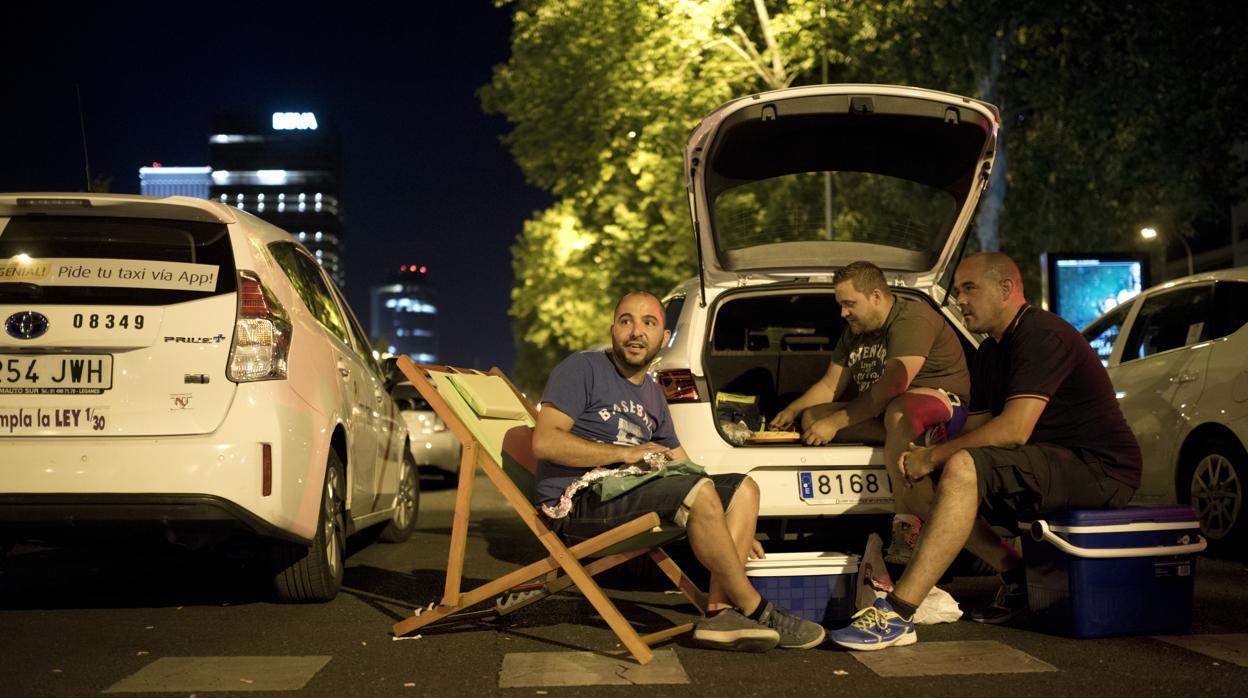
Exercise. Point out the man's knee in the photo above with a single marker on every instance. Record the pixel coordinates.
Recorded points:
(917, 410)
(706, 502)
(958, 474)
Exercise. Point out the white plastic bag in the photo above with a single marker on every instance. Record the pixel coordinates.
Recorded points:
(938, 607)
(874, 583)
(873, 580)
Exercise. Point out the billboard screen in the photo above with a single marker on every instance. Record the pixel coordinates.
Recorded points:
(1082, 286)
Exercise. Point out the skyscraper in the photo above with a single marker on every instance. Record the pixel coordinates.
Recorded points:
(404, 314)
(285, 168)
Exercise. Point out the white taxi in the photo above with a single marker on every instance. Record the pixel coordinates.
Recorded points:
(785, 188)
(178, 363)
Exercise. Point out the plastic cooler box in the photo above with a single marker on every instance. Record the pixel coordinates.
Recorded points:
(816, 586)
(1092, 573)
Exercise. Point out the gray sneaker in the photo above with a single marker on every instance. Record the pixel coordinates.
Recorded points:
(730, 630)
(795, 633)
(901, 548)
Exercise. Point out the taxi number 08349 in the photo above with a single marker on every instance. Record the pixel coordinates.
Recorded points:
(107, 321)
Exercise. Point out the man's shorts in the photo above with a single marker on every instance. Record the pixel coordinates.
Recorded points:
(1040, 478)
(669, 497)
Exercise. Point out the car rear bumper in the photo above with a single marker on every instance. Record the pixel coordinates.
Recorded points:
(777, 469)
(36, 515)
(222, 472)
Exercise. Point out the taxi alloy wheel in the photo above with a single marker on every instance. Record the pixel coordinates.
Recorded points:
(1217, 490)
(406, 505)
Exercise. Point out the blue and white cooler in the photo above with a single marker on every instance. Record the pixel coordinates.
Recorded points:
(812, 585)
(1093, 572)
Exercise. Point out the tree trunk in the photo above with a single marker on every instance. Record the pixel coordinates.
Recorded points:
(987, 227)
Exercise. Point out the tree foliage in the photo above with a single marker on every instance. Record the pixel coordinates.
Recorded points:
(1115, 114)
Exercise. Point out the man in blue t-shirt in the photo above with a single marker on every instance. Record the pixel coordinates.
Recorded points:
(1044, 432)
(603, 409)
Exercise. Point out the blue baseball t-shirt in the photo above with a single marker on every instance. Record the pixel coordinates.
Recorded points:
(605, 407)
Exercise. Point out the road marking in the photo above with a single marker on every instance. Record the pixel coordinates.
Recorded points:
(527, 669)
(945, 658)
(1231, 647)
(187, 674)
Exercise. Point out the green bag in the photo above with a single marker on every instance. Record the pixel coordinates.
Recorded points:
(609, 488)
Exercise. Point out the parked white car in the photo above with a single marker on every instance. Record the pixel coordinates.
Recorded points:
(433, 446)
(785, 188)
(1175, 354)
(180, 364)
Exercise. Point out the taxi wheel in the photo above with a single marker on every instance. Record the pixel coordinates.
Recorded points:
(313, 573)
(406, 505)
(1217, 487)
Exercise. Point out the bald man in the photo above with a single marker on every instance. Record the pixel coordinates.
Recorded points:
(1044, 433)
(603, 409)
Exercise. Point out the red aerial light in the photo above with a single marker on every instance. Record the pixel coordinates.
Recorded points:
(266, 473)
(422, 269)
(155, 164)
(403, 268)
(678, 385)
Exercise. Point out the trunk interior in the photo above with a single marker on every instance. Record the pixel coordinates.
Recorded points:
(774, 345)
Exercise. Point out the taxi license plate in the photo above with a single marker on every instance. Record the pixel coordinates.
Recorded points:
(56, 374)
(844, 486)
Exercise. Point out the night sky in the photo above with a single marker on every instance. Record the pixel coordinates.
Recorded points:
(426, 178)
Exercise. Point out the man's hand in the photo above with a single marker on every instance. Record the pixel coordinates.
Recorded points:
(820, 433)
(637, 454)
(784, 419)
(756, 550)
(916, 463)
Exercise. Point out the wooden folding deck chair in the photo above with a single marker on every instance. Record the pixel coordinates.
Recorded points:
(493, 420)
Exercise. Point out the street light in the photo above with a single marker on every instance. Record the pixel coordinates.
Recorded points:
(1150, 233)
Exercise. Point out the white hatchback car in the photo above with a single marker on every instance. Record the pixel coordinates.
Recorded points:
(433, 445)
(1175, 354)
(178, 363)
(785, 188)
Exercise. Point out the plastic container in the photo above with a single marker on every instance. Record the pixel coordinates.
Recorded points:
(1092, 573)
(816, 586)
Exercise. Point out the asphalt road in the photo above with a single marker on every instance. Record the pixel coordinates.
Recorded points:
(126, 619)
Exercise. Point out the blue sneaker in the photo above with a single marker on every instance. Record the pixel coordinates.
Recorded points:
(876, 627)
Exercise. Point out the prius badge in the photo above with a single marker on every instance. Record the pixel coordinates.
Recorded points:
(26, 325)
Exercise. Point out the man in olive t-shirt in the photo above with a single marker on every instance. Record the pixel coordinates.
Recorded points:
(897, 372)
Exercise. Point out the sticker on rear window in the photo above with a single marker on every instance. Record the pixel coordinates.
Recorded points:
(121, 273)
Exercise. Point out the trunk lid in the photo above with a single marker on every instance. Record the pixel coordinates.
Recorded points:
(799, 182)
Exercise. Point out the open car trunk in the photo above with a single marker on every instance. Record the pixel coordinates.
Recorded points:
(774, 344)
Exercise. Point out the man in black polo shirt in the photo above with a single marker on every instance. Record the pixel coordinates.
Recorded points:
(1044, 433)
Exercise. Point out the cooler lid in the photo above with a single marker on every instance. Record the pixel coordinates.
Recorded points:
(1168, 514)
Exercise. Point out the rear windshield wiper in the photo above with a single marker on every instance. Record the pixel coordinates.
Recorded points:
(20, 288)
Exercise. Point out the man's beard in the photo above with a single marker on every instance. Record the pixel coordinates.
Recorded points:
(622, 356)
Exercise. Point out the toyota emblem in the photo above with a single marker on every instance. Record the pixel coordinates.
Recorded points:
(26, 325)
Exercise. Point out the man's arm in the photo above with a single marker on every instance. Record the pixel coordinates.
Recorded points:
(1009, 429)
(823, 391)
(893, 381)
(554, 441)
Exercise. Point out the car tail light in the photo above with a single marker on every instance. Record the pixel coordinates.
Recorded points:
(678, 385)
(261, 333)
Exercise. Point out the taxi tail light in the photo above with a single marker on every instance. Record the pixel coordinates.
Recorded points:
(261, 333)
(678, 385)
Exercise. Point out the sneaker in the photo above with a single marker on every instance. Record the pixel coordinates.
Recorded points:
(795, 633)
(904, 539)
(1011, 601)
(876, 627)
(730, 630)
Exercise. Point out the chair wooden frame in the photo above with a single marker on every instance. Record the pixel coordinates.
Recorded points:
(561, 568)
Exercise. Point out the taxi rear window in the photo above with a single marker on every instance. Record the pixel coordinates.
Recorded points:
(113, 261)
